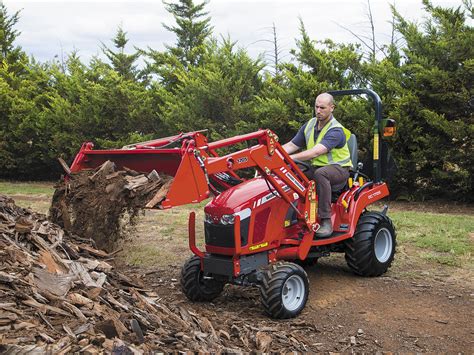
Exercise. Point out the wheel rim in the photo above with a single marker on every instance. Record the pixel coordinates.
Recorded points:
(293, 292)
(383, 245)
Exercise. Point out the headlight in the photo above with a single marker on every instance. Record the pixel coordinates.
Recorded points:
(227, 219)
(207, 218)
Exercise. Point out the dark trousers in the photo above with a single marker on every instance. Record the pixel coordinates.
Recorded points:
(326, 177)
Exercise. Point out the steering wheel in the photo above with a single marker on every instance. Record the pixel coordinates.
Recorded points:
(304, 166)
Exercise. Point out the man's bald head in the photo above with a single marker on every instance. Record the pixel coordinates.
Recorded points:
(326, 98)
(323, 106)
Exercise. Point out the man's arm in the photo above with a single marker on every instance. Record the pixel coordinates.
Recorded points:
(297, 142)
(334, 138)
(290, 147)
(309, 154)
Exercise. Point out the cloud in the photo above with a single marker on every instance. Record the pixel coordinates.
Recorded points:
(49, 27)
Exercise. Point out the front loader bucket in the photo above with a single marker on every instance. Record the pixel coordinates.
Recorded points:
(189, 182)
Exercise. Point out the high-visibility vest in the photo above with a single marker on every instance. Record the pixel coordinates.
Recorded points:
(340, 156)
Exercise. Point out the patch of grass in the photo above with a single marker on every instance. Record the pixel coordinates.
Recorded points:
(168, 230)
(152, 255)
(445, 259)
(140, 255)
(40, 205)
(26, 188)
(444, 238)
(33, 195)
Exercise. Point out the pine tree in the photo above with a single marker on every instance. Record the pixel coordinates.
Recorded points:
(218, 95)
(10, 54)
(7, 32)
(434, 109)
(191, 32)
(121, 62)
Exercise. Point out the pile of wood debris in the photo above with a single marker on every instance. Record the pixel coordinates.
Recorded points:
(59, 294)
(98, 203)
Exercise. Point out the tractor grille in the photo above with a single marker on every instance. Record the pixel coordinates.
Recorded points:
(220, 235)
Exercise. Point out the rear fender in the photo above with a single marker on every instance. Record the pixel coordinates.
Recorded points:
(362, 197)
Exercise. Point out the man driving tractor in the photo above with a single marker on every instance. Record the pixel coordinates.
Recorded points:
(325, 140)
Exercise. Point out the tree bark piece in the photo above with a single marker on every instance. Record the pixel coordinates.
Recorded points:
(64, 165)
(58, 285)
(45, 308)
(160, 195)
(105, 169)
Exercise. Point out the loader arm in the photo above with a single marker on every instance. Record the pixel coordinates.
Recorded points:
(193, 163)
(268, 157)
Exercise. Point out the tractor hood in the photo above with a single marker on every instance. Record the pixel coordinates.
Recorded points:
(249, 194)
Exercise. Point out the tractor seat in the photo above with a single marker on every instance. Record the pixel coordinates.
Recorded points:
(336, 190)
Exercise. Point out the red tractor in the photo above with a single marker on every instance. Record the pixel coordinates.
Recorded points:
(259, 230)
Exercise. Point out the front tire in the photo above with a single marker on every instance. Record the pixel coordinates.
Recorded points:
(371, 250)
(195, 285)
(284, 290)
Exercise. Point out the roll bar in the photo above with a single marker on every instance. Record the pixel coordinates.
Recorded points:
(377, 125)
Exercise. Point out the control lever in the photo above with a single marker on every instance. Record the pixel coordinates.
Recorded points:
(360, 166)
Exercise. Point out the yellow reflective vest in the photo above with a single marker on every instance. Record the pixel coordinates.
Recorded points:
(340, 156)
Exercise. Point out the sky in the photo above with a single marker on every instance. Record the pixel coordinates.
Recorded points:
(56, 28)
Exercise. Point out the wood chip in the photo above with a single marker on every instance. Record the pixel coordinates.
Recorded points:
(23, 225)
(92, 251)
(46, 337)
(45, 308)
(160, 195)
(7, 278)
(136, 182)
(105, 169)
(154, 176)
(58, 285)
(64, 165)
(24, 325)
(78, 299)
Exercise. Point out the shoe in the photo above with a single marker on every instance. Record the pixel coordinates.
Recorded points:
(325, 229)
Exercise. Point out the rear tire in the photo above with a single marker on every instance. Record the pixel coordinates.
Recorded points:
(284, 290)
(371, 250)
(194, 284)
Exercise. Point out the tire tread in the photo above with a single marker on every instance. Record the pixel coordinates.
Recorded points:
(271, 285)
(359, 249)
(191, 285)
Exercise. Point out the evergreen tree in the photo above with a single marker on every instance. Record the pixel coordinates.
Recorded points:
(10, 54)
(191, 32)
(219, 95)
(336, 65)
(14, 83)
(121, 62)
(434, 105)
(8, 34)
(287, 100)
(190, 47)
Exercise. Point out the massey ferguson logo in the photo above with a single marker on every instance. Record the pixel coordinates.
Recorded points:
(242, 160)
(373, 195)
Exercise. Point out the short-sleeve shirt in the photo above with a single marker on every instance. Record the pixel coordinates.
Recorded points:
(334, 138)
